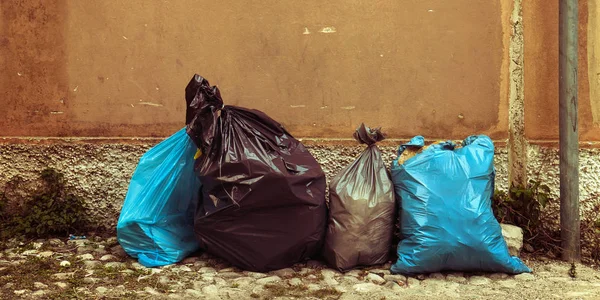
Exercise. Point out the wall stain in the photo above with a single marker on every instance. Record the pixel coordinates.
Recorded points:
(33, 56)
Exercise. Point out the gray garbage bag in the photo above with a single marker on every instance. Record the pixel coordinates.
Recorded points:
(362, 209)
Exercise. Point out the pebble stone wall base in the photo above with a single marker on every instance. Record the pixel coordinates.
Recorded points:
(100, 172)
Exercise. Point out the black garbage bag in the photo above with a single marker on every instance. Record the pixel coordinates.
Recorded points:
(361, 209)
(262, 201)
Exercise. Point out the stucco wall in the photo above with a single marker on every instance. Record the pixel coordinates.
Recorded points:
(97, 77)
(99, 171)
(119, 68)
(541, 69)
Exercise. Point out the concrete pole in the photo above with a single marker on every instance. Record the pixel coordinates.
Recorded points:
(568, 124)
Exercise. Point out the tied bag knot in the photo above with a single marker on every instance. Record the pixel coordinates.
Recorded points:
(368, 136)
(203, 105)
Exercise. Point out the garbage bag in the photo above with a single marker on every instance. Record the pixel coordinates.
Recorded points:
(446, 215)
(361, 209)
(262, 205)
(156, 224)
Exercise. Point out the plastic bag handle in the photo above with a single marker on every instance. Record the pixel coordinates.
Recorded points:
(416, 142)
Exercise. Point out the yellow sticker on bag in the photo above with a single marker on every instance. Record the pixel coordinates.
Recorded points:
(198, 154)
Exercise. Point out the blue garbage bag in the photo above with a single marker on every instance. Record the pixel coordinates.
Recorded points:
(446, 218)
(156, 224)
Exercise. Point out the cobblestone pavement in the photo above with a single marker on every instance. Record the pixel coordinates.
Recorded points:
(100, 269)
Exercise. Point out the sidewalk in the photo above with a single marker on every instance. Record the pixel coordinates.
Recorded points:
(99, 269)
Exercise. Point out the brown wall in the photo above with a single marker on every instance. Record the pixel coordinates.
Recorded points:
(541, 69)
(33, 64)
(119, 68)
